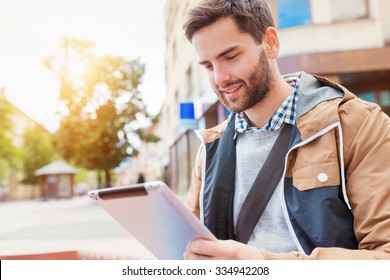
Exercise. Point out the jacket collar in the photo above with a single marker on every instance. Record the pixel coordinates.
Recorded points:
(317, 106)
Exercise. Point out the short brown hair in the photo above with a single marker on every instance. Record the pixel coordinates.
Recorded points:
(251, 16)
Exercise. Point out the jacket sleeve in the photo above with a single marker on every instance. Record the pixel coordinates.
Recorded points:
(367, 155)
(366, 133)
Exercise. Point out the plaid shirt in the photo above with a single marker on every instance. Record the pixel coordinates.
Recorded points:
(285, 113)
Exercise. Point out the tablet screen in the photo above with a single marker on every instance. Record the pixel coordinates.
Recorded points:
(154, 215)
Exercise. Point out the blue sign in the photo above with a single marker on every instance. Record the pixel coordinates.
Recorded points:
(187, 116)
(187, 111)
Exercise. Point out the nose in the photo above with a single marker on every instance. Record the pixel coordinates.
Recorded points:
(221, 76)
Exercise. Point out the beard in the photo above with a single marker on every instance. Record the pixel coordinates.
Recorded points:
(255, 88)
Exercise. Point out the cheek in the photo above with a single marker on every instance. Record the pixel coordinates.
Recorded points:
(240, 70)
(246, 68)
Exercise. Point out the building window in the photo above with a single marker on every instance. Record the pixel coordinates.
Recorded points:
(182, 158)
(382, 98)
(348, 9)
(385, 98)
(190, 85)
(368, 96)
(293, 13)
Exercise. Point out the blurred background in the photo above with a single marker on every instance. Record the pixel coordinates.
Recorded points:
(106, 93)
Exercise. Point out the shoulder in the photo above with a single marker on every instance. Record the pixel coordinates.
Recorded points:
(211, 134)
(354, 112)
(364, 125)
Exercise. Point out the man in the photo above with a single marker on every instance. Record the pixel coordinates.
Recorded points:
(333, 198)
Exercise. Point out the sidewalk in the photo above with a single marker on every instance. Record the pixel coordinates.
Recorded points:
(77, 227)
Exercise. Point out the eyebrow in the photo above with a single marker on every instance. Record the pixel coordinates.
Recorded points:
(223, 53)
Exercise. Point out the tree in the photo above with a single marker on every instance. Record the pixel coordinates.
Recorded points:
(38, 151)
(9, 154)
(104, 106)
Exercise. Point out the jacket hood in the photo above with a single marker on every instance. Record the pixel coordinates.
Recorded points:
(313, 91)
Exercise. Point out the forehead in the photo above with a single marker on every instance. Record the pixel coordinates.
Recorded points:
(215, 38)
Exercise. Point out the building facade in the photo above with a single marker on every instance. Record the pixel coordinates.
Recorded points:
(56, 180)
(13, 189)
(185, 82)
(345, 40)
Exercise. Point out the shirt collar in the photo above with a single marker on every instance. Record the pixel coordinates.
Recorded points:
(286, 113)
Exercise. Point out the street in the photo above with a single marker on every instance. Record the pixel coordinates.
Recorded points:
(77, 224)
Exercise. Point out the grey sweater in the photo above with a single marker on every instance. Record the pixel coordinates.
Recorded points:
(271, 232)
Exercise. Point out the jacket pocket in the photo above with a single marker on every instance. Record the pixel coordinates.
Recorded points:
(317, 175)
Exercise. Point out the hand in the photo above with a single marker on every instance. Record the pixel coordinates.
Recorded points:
(202, 249)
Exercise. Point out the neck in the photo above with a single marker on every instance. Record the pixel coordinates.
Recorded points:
(260, 114)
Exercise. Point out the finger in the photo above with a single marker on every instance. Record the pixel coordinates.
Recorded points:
(197, 249)
(209, 248)
(192, 256)
(199, 246)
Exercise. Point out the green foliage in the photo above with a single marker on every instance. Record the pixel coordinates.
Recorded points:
(103, 105)
(38, 152)
(81, 176)
(3, 168)
(9, 154)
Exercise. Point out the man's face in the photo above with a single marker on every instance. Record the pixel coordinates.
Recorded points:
(237, 66)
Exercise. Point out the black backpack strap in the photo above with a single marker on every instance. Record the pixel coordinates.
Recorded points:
(263, 187)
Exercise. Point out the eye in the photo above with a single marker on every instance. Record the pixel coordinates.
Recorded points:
(231, 57)
(208, 67)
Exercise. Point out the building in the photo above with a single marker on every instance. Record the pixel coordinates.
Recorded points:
(185, 82)
(56, 179)
(345, 40)
(151, 161)
(12, 178)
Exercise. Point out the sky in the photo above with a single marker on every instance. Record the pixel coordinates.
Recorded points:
(32, 30)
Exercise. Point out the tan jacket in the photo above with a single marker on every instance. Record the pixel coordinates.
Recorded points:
(346, 138)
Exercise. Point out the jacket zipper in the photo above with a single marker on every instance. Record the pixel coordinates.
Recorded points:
(283, 201)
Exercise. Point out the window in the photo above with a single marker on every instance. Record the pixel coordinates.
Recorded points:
(348, 9)
(190, 85)
(182, 164)
(293, 13)
(382, 98)
(368, 96)
(385, 97)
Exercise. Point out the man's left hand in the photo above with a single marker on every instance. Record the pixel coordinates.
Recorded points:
(202, 249)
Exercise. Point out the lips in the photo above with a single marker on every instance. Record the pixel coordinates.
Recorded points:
(231, 92)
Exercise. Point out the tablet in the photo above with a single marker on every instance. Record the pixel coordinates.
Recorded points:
(154, 215)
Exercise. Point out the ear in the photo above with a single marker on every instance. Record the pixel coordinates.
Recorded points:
(271, 41)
